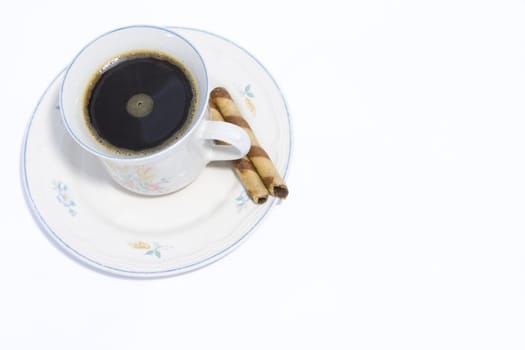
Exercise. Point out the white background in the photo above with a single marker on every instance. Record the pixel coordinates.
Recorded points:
(405, 224)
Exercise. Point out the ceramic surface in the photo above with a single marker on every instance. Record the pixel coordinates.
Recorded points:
(114, 230)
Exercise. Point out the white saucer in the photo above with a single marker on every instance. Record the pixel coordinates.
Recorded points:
(111, 229)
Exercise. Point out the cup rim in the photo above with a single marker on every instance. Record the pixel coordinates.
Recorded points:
(148, 156)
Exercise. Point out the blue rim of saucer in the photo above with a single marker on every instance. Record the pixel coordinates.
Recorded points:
(113, 271)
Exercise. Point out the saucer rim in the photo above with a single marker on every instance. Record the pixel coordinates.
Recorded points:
(115, 271)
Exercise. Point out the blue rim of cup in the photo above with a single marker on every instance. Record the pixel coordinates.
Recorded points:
(139, 157)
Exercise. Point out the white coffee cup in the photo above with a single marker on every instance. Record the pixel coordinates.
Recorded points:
(167, 169)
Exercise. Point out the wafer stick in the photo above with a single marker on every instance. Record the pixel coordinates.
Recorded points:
(244, 168)
(260, 159)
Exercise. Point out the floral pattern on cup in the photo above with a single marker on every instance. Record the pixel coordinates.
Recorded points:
(153, 249)
(139, 178)
(63, 197)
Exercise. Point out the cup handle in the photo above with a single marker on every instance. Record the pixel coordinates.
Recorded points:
(237, 139)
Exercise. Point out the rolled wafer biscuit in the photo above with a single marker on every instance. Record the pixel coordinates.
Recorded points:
(260, 159)
(244, 168)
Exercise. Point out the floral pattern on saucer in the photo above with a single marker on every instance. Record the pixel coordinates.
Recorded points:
(248, 98)
(242, 200)
(63, 197)
(151, 249)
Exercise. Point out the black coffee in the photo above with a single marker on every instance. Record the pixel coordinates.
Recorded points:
(140, 102)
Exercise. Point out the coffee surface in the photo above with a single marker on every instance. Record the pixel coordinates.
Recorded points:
(140, 102)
